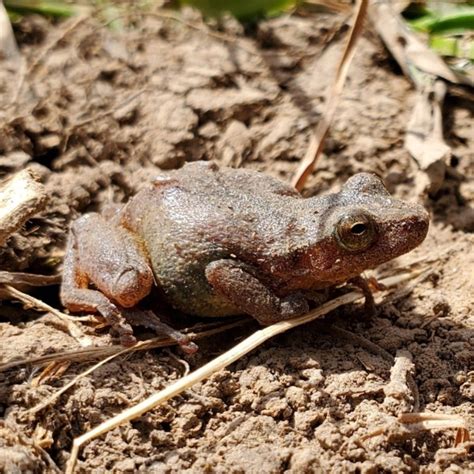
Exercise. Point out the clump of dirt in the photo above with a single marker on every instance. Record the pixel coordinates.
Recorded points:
(96, 114)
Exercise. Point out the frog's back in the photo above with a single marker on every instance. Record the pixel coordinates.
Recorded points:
(210, 179)
(204, 213)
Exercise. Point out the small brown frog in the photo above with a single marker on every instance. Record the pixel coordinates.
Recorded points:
(221, 241)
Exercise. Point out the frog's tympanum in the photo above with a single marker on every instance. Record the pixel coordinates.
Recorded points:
(221, 241)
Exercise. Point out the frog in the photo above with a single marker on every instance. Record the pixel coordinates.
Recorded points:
(218, 241)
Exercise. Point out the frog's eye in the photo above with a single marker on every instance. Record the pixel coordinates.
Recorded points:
(355, 231)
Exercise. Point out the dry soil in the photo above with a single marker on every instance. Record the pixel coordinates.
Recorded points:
(96, 113)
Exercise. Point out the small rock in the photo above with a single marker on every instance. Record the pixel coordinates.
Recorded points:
(14, 160)
(126, 465)
(209, 130)
(49, 141)
(296, 397)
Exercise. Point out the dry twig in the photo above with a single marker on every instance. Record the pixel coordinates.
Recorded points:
(24, 281)
(315, 148)
(29, 279)
(407, 424)
(402, 387)
(69, 321)
(21, 197)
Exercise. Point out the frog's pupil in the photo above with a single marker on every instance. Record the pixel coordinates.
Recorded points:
(358, 229)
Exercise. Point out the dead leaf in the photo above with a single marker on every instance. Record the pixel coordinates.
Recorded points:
(424, 135)
(406, 47)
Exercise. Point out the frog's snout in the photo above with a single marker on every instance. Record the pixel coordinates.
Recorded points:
(418, 227)
(410, 231)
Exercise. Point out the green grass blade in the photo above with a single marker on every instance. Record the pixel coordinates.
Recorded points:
(455, 22)
(44, 7)
(243, 10)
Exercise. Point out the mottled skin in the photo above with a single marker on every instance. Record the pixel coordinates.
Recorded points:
(221, 241)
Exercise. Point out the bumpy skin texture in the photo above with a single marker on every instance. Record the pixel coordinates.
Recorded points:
(221, 241)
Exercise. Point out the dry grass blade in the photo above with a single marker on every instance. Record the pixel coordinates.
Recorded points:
(70, 26)
(315, 148)
(64, 389)
(432, 421)
(24, 281)
(217, 364)
(331, 5)
(113, 109)
(21, 197)
(170, 15)
(30, 279)
(75, 355)
(97, 352)
(70, 322)
(361, 342)
(53, 370)
(139, 346)
(24, 72)
(422, 421)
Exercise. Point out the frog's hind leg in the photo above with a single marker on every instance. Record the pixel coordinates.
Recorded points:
(239, 284)
(106, 256)
(150, 320)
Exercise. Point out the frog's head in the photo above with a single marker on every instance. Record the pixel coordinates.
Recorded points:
(366, 227)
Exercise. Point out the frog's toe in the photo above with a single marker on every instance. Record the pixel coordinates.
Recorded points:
(125, 333)
(293, 306)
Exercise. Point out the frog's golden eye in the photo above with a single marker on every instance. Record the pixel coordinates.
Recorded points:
(355, 231)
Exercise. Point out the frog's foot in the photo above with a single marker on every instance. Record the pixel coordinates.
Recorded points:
(150, 320)
(291, 307)
(367, 285)
(317, 297)
(239, 284)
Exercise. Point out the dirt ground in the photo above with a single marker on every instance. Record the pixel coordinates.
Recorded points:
(96, 114)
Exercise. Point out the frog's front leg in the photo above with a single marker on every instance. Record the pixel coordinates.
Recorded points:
(108, 257)
(239, 284)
